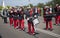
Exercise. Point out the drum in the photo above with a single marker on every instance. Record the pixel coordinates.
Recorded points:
(30, 19)
(35, 21)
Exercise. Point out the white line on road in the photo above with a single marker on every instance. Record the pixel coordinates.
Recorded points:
(47, 32)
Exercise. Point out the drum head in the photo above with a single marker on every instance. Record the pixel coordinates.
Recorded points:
(35, 21)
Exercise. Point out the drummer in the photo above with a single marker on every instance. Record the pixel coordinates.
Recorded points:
(29, 15)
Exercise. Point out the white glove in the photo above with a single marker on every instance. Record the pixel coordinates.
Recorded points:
(27, 18)
(46, 12)
(35, 16)
(50, 11)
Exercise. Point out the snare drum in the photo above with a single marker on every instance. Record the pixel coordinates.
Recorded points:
(35, 21)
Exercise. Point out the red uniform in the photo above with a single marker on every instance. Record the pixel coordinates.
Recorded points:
(11, 17)
(21, 19)
(56, 12)
(30, 24)
(15, 18)
(48, 19)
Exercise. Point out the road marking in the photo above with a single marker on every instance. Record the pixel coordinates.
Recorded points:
(47, 32)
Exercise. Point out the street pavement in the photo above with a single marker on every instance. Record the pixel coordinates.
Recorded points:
(7, 31)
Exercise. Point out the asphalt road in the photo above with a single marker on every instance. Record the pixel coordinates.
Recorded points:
(7, 31)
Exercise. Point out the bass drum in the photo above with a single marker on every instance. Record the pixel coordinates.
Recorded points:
(35, 21)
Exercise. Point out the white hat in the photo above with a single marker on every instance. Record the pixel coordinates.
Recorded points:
(28, 7)
(46, 6)
(15, 10)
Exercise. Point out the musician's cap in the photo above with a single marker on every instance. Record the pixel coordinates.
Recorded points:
(28, 7)
(57, 4)
(46, 6)
(15, 10)
(11, 12)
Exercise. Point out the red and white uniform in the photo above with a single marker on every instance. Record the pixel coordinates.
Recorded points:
(56, 12)
(49, 18)
(30, 24)
(11, 17)
(15, 15)
(58, 17)
(21, 19)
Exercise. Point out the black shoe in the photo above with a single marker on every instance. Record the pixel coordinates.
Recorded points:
(54, 24)
(48, 28)
(23, 29)
(12, 24)
(45, 29)
(5, 22)
(51, 29)
(36, 33)
(29, 33)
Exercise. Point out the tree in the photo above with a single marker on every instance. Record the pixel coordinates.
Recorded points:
(56, 1)
(8, 7)
(40, 5)
(31, 5)
(1, 8)
(51, 3)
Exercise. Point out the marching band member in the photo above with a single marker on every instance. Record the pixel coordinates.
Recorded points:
(48, 17)
(21, 19)
(31, 24)
(56, 9)
(58, 19)
(36, 13)
(11, 17)
(15, 18)
(29, 15)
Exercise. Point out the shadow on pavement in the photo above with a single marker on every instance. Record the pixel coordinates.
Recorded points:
(0, 36)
